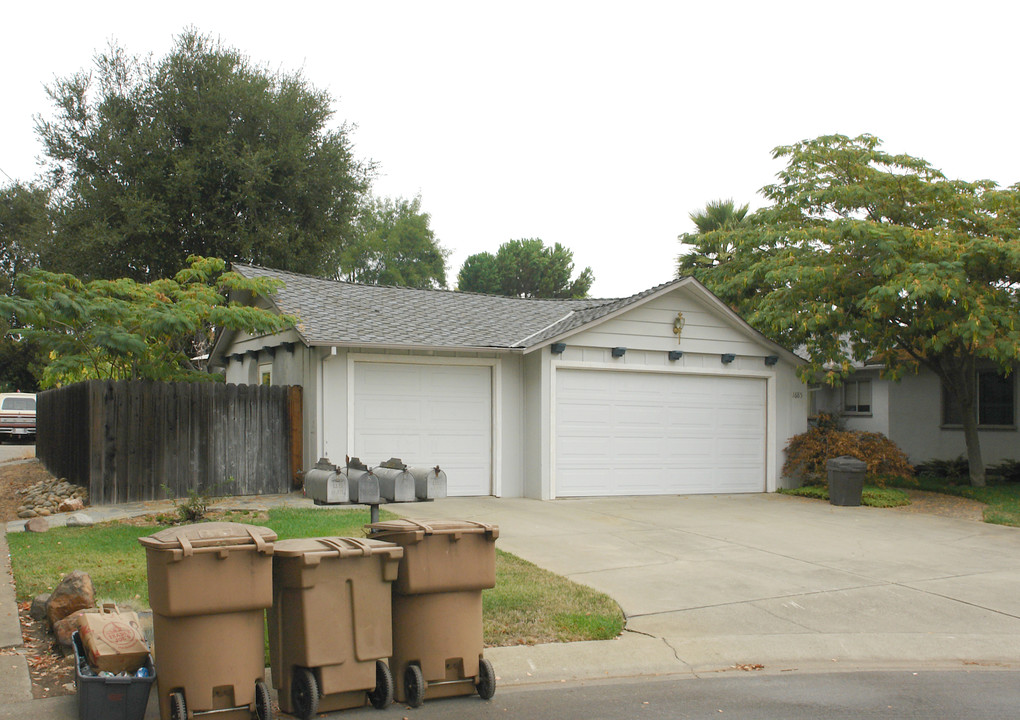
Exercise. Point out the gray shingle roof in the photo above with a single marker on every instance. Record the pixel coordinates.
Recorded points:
(342, 313)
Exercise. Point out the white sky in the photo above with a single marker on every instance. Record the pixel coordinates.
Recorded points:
(597, 125)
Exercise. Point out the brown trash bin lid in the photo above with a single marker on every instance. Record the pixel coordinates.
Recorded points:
(432, 527)
(342, 547)
(213, 534)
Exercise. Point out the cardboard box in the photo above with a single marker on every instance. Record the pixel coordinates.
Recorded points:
(113, 640)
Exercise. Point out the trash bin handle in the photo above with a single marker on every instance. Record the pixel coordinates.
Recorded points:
(185, 545)
(260, 543)
(366, 549)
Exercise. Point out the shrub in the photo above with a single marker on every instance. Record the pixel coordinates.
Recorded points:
(956, 469)
(808, 453)
(1008, 471)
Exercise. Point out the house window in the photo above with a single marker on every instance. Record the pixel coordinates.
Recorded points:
(995, 405)
(857, 396)
(266, 374)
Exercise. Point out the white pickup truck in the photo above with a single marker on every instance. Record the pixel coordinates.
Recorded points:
(17, 415)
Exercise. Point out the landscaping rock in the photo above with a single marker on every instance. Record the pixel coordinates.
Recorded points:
(71, 504)
(37, 524)
(47, 497)
(63, 629)
(74, 592)
(80, 519)
(38, 609)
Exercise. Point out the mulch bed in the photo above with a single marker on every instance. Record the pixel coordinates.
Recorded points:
(951, 506)
(52, 671)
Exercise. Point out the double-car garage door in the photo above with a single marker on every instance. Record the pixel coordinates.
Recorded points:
(640, 433)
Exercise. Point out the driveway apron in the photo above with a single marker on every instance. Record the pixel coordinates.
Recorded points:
(733, 580)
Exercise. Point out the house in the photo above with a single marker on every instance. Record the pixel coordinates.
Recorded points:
(665, 392)
(915, 412)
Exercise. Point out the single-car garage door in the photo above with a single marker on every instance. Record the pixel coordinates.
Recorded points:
(427, 415)
(635, 433)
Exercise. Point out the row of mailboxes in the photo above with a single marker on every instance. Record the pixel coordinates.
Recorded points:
(356, 483)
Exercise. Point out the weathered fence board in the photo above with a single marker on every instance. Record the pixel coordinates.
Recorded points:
(129, 441)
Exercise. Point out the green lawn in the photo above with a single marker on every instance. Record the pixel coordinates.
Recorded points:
(528, 605)
(872, 496)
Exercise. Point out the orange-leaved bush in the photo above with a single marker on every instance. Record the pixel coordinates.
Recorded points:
(808, 453)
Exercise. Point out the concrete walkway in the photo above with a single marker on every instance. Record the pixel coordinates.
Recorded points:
(712, 583)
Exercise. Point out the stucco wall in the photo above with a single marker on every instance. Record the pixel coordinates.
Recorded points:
(915, 424)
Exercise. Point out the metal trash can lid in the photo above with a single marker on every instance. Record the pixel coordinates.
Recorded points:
(389, 528)
(342, 547)
(213, 534)
(846, 463)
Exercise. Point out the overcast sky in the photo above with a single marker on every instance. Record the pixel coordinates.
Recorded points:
(597, 125)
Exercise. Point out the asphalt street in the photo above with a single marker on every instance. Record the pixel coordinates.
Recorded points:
(929, 695)
(14, 450)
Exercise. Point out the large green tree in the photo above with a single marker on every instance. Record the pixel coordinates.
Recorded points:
(126, 330)
(525, 268)
(394, 245)
(865, 254)
(200, 152)
(24, 228)
(717, 215)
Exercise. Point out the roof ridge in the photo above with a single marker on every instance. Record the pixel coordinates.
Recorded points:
(437, 290)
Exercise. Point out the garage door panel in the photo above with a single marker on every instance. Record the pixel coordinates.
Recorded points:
(427, 415)
(634, 433)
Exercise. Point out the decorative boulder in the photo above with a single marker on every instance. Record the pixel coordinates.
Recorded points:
(71, 505)
(37, 524)
(63, 629)
(74, 592)
(80, 519)
(38, 609)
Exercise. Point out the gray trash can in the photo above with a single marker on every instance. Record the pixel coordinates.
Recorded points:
(846, 480)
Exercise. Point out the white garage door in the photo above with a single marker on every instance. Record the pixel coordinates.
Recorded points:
(427, 415)
(633, 433)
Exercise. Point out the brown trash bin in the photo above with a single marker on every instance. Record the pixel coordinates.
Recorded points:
(209, 587)
(437, 607)
(330, 625)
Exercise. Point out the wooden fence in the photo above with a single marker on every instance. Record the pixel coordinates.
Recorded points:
(125, 441)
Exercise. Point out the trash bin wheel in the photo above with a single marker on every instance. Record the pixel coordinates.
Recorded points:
(304, 693)
(263, 702)
(414, 686)
(178, 710)
(486, 685)
(382, 696)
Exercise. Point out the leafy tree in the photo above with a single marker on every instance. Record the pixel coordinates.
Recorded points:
(479, 274)
(864, 254)
(24, 227)
(123, 329)
(394, 245)
(200, 152)
(717, 215)
(525, 268)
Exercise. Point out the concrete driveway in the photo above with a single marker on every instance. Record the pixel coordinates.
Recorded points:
(713, 582)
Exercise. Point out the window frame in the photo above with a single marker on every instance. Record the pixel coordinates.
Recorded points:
(856, 384)
(954, 421)
(265, 372)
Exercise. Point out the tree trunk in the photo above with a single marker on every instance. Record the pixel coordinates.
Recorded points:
(960, 379)
(970, 435)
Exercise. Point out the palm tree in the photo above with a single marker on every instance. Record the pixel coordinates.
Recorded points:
(706, 253)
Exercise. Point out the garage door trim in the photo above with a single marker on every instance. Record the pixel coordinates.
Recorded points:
(495, 367)
(770, 406)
